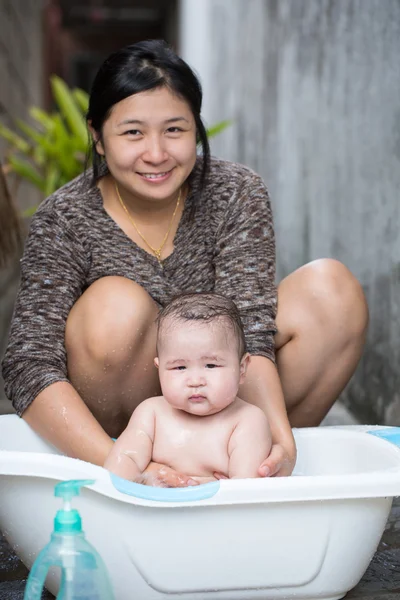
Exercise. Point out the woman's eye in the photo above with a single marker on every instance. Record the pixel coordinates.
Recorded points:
(134, 132)
(174, 130)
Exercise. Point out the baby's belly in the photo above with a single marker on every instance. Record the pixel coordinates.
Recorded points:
(198, 463)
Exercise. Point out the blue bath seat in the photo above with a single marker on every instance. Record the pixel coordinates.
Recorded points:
(146, 492)
(390, 434)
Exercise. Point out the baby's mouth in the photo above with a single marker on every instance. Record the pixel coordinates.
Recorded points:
(197, 397)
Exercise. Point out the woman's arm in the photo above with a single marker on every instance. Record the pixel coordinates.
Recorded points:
(59, 415)
(262, 387)
(245, 272)
(53, 276)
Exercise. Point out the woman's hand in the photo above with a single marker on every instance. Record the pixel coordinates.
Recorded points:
(159, 475)
(280, 462)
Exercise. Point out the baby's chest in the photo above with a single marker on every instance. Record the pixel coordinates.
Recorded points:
(192, 448)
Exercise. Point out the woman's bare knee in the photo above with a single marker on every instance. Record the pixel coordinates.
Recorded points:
(322, 320)
(323, 294)
(109, 321)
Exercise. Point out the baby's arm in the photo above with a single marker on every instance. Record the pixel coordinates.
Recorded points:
(249, 444)
(133, 449)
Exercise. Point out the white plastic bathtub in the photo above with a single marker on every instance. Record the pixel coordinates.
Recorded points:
(308, 536)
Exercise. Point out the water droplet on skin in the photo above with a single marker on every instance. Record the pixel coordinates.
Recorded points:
(130, 452)
(141, 432)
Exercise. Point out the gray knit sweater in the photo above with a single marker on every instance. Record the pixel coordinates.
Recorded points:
(224, 243)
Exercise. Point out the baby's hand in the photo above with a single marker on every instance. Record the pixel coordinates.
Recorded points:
(158, 475)
(205, 479)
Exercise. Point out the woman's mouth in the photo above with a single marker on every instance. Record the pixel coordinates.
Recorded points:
(156, 177)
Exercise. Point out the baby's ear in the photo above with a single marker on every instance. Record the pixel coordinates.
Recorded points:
(156, 362)
(244, 363)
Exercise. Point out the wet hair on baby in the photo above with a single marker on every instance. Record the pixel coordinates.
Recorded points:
(203, 307)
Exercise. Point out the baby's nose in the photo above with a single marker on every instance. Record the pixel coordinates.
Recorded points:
(196, 379)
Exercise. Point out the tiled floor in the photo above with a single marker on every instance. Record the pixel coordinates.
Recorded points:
(380, 582)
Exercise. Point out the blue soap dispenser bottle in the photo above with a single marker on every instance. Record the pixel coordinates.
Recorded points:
(83, 572)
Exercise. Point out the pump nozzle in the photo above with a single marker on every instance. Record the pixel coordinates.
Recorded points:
(68, 520)
(68, 489)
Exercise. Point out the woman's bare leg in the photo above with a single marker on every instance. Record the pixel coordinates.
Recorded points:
(322, 321)
(110, 341)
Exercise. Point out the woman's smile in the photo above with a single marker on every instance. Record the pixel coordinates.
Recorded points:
(156, 178)
(149, 141)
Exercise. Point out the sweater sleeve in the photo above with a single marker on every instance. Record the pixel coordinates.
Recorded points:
(245, 264)
(53, 271)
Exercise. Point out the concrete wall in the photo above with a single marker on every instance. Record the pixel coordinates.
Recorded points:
(21, 77)
(313, 87)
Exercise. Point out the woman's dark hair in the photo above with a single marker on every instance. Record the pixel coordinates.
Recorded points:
(206, 307)
(144, 66)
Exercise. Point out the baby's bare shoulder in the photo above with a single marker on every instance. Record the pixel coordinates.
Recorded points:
(154, 401)
(245, 410)
(150, 405)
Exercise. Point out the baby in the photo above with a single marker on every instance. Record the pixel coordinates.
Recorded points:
(198, 426)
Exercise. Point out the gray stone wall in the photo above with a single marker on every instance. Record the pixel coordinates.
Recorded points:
(313, 87)
(21, 68)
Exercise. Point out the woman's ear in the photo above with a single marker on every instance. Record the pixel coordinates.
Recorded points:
(96, 137)
(244, 363)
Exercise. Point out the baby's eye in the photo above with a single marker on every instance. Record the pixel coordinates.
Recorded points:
(211, 366)
(180, 368)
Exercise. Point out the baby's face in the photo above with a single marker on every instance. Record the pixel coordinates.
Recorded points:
(199, 366)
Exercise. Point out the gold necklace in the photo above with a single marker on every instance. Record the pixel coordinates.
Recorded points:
(156, 251)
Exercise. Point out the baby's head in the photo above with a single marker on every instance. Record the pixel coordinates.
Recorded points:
(201, 351)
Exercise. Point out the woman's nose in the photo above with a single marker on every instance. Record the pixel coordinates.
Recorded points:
(155, 151)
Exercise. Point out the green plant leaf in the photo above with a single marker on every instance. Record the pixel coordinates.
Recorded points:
(70, 110)
(13, 138)
(82, 99)
(39, 156)
(52, 179)
(29, 212)
(218, 128)
(42, 117)
(34, 134)
(43, 141)
(27, 171)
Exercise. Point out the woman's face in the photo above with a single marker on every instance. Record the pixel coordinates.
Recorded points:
(149, 141)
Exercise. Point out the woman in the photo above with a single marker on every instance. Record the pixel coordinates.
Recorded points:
(157, 220)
